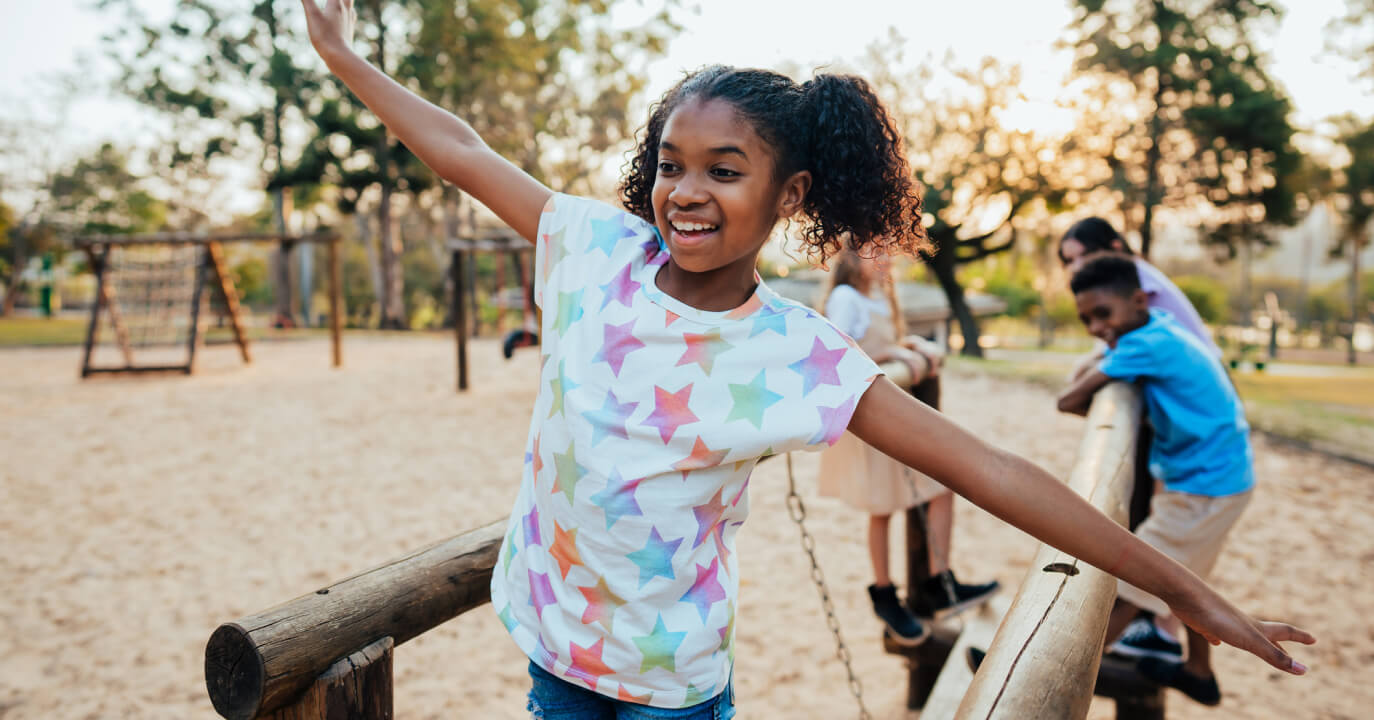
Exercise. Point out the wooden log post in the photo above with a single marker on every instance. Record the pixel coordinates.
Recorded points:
(357, 687)
(924, 668)
(1043, 663)
(262, 662)
(460, 317)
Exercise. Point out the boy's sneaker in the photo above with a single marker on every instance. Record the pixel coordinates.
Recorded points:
(1172, 674)
(902, 626)
(942, 595)
(1142, 639)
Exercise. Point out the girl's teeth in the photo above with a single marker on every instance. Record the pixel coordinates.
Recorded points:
(693, 227)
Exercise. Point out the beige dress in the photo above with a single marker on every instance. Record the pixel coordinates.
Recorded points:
(851, 470)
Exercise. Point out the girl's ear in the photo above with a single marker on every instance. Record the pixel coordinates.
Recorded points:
(793, 194)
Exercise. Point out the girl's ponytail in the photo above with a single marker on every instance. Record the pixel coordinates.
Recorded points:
(861, 183)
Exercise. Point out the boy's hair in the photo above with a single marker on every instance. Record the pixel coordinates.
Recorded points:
(832, 125)
(1095, 235)
(1115, 273)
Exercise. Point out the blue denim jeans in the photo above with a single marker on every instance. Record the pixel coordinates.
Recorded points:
(552, 698)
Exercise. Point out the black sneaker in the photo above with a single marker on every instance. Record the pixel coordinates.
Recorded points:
(1142, 639)
(902, 626)
(975, 658)
(1172, 674)
(942, 595)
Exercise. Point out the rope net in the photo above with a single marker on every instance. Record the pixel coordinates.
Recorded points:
(150, 291)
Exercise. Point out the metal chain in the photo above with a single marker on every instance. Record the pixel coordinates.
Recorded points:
(797, 510)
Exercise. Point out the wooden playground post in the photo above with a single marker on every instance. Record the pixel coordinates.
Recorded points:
(225, 284)
(460, 317)
(1044, 661)
(336, 305)
(929, 658)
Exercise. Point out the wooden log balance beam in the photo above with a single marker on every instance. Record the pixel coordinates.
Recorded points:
(257, 665)
(1043, 662)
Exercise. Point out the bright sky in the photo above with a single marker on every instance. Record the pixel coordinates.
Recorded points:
(38, 39)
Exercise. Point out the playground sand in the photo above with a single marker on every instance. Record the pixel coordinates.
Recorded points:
(137, 514)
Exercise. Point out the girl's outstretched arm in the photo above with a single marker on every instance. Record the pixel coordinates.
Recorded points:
(441, 140)
(1019, 492)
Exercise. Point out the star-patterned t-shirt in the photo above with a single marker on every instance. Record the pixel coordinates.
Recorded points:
(618, 570)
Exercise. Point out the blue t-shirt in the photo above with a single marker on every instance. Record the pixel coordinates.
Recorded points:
(1202, 442)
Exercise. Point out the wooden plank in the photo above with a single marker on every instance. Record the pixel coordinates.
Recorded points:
(924, 668)
(193, 330)
(190, 238)
(357, 687)
(1043, 661)
(225, 285)
(259, 663)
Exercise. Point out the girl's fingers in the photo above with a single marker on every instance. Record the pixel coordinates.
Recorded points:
(1283, 632)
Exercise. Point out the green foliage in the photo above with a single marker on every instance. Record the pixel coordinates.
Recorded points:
(1012, 279)
(360, 300)
(1210, 123)
(251, 279)
(424, 282)
(1207, 295)
(99, 194)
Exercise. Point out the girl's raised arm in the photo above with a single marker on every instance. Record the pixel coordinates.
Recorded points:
(1015, 490)
(441, 140)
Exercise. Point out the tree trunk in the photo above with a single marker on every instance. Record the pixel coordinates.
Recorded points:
(1152, 156)
(1351, 353)
(943, 264)
(16, 279)
(451, 198)
(374, 266)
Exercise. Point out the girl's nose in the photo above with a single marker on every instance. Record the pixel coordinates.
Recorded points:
(687, 191)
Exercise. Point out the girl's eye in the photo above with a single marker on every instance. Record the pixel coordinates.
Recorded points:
(724, 173)
(666, 167)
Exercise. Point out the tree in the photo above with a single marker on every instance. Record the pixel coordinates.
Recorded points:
(234, 96)
(1356, 190)
(1193, 121)
(547, 85)
(1352, 35)
(979, 175)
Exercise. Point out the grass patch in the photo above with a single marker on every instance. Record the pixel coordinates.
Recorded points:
(41, 331)
(1329, 407)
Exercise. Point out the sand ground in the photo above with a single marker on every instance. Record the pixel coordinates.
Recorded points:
(137, 514)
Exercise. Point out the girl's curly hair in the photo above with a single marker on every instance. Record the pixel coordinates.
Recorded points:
(862, 192)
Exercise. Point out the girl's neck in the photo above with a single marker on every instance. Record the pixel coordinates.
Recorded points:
(724, 288)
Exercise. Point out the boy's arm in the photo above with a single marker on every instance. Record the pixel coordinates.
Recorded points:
(1078, 396)
(1026, 496)
(441, 140)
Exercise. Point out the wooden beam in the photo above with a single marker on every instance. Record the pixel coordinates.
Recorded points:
(225, 284)
(460, 317)
(257, 664)
(189, 238)
(1043, 662)
(357, 687)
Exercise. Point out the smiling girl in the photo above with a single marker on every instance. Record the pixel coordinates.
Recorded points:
(670, 369)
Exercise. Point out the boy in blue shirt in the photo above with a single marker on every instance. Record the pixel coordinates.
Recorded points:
(1201, 451)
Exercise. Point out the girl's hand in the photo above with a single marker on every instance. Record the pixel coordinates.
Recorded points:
(331, 28)
(1219, 622)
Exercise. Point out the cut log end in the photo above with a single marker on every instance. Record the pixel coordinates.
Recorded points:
(234, 673)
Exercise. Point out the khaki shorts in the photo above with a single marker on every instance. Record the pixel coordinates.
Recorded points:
(1189, 528)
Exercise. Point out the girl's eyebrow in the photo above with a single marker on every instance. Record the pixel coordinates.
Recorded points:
(722, 150)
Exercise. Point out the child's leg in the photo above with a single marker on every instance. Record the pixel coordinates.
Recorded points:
(877, 548)
(939, 531)
(1199, 660)
(1122, 615)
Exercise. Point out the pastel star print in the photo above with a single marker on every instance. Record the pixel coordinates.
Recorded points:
(702, 349)
(620, 289)
(559, 387)
(834, 421)
(610, 419)
(655, 559)
(751, 399)
(820, 367)
(569, 310)
(659, 647)
(701, 457)
(696, 695)
(769, 319)
(541, 592)
(671, 411)
(567, 472)
(602, 603)
(705, 591)
(586, 663)
(617, 342)
(708, 516)
(564, 549)
(531, 525)
(606, 234)
(627, 696)
(617, 499)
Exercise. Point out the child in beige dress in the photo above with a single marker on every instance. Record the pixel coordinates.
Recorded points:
(862, 302)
